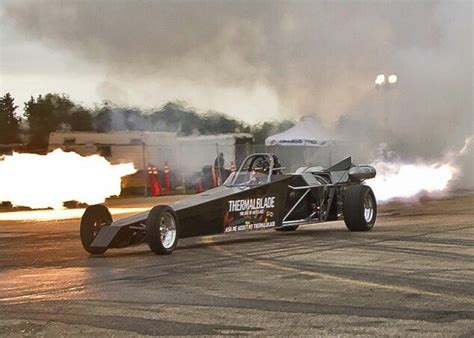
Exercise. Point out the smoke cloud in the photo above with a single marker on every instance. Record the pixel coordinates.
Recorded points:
(287, 58)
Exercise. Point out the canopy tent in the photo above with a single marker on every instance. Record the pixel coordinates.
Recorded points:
(307, 132)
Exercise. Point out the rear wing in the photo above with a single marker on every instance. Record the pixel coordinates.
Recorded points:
(345, 164)
(342, 171)
(355, 172)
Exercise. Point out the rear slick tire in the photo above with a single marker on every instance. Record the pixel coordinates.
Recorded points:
(162, 230)
(95, 217)
(360, 208)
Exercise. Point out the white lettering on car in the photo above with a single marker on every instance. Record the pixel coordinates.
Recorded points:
(252, 204)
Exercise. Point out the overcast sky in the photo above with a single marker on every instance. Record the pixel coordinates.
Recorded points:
(255, 60)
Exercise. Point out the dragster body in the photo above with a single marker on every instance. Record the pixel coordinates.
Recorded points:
(257, 196)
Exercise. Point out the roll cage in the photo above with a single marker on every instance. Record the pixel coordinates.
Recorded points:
(256, 169)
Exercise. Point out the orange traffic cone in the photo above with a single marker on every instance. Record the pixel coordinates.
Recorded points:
(157, 180)
(152, 178)
(199, 186)
(214, 176)
(167, 178)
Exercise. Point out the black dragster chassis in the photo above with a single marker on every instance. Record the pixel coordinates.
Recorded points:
(257, 196)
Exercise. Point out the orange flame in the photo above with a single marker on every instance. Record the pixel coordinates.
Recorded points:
(42, 181)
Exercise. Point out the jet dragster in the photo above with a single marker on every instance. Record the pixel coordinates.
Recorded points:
(259, 195)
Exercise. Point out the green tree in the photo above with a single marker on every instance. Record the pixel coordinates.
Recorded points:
(175, 117)
(103, 118)
(217, 123)
(81, 120)
(9, 121)
(41, 120)
(62, 107)
(51, 112)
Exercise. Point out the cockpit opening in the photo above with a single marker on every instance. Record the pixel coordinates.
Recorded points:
(256, 169)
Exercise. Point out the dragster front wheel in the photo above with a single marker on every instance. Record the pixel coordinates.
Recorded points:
(162, 230)
(95, 217)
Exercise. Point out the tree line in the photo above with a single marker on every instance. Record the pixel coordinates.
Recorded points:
(57, 112)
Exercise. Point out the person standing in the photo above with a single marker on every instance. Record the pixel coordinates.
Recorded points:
(219, 167)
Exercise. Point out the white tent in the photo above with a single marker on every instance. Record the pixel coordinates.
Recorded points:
(307, 132)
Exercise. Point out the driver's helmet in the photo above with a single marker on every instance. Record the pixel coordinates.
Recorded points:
(262, 165)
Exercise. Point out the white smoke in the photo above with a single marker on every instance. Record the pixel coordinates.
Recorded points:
(268, 59)
(402, 180)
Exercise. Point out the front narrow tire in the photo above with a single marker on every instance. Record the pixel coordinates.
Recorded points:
(162, 230)
(360, 208)
(95, 217)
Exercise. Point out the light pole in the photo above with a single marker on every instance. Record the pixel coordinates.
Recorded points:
(386, 82)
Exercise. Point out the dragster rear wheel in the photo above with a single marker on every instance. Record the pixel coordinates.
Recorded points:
(360, 208)
(162, 230)
(95, 217)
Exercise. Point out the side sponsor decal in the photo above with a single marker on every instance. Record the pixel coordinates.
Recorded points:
(252, 204)
(245, 227)
(249, 214)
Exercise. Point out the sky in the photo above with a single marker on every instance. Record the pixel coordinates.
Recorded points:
(254, 60)
(30, 65)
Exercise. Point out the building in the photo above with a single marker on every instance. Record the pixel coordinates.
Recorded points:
(200, 151)
(138, 147)
(185, 154)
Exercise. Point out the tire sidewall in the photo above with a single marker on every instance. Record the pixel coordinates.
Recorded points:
(353, 209)
(153, 234)
(90, 216)
(368, 191)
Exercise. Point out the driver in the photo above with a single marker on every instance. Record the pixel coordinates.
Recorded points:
(262, 166)
(253, 177)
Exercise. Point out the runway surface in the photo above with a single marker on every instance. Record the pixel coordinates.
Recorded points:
(412, 275)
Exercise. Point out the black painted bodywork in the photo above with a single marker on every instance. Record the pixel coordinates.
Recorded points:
(285, 200)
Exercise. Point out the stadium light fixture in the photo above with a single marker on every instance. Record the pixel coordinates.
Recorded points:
(380, 80)
(392, 79)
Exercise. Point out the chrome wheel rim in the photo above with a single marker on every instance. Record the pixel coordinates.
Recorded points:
(368, 208)
(167, 230)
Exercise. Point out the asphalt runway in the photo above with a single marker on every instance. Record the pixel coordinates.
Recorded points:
(412, 275)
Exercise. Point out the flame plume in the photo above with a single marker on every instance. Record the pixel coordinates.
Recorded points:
(47, 181)
(407, 180)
